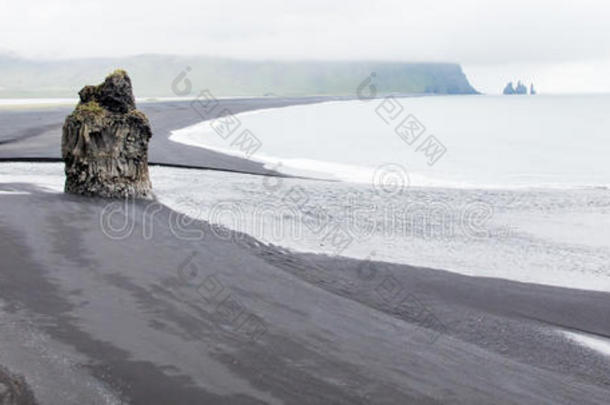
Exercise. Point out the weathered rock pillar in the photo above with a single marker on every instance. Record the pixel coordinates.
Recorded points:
(105, 142)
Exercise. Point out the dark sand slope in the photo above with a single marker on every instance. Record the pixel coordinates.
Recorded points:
(152, 337)
(14, 389)
(36, 133)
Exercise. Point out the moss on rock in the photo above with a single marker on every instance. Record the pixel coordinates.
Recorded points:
(92, 107)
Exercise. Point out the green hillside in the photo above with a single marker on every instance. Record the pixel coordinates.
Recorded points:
(153, 75)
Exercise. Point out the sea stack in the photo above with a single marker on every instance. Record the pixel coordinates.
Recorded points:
(105, 142)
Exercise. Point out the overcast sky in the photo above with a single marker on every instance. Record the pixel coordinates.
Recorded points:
(563, 46)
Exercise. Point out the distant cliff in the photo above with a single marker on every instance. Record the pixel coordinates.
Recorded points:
(153, 76)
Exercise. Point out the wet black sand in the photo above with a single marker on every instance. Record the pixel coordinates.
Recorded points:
(326, 331)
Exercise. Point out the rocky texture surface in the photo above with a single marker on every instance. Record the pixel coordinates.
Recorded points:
(105, 142)
(14, 390)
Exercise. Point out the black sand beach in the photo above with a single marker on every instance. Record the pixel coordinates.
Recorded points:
(156, 319)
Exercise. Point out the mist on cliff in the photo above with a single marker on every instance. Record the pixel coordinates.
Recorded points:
(563, 46)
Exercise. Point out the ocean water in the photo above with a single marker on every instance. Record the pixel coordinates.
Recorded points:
(448, 141)
(546, 236)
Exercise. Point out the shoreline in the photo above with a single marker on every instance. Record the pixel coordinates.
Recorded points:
(23, 137)
(178, 166)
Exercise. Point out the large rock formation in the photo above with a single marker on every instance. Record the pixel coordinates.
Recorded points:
(105, 142)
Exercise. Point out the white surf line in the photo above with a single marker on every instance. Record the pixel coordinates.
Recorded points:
(598, 344)
(288, 166)
(14, 192)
